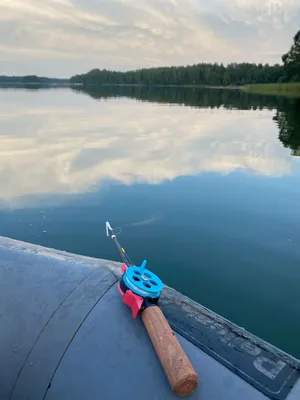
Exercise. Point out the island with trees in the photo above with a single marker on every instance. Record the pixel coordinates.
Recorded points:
(32, 80)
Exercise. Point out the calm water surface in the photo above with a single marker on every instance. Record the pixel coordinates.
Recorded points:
(204, 184)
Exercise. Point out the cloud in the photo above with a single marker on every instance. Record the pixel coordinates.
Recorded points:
(276, 12)
(57, 142)
(63, 37)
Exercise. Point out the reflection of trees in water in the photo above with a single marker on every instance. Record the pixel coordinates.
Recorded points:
(287, 115)
(193, 97)
(288, 121)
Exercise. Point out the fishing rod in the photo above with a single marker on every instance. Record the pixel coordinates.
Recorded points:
(141, 290)
(110, 233)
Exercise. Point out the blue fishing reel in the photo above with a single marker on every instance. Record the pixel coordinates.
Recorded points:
(142, 282)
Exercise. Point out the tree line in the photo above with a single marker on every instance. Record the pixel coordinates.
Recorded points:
(234, 74)
(199, 74)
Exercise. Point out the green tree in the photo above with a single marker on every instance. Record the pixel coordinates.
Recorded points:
(291, 60)
(31, 79)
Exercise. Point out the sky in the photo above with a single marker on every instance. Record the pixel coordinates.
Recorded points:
(59, 38)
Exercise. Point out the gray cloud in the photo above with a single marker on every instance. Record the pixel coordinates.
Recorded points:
(63, 37)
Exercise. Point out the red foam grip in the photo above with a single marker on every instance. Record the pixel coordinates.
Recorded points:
(133, 301)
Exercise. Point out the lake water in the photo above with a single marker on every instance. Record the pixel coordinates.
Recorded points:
(204, 185)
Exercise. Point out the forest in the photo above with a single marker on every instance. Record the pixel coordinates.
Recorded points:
(200, 74)
(234, 74)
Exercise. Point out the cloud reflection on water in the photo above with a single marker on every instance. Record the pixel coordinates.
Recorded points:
(58, 142)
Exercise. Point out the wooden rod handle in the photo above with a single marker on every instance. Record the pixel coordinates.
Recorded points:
(178, 368)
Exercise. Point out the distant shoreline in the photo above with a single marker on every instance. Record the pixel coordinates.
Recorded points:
(232, 87)
(34, 85)
(291, 89)
(275, 89)
(33, 81)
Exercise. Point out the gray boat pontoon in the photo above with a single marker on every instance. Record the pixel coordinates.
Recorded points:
(66, 335)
